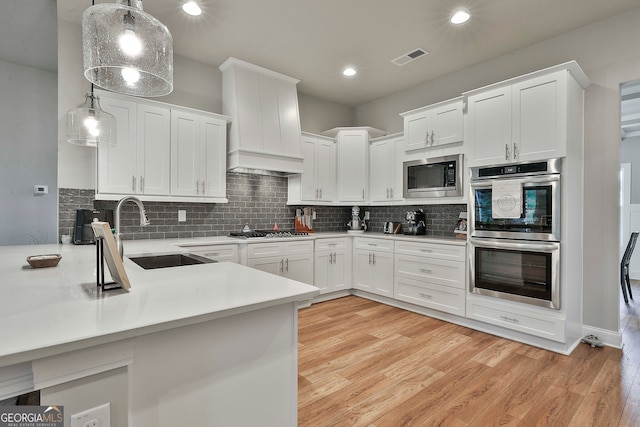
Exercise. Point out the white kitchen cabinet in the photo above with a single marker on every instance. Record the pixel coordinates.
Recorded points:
(353, 162)
(292, 259)
(318, 181)
(265, 131)
(198, 155)
(525, 119)
(431, 275)
(385, 172)
(434, 125)
(218, 253)
(332, 265)
(373, 266)
(139, 162)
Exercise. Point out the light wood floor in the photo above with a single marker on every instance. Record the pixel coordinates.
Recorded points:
(367, 364)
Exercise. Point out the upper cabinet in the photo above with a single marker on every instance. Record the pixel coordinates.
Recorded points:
(318, 181)
(162, 153)
(265, 132)
(434, 125)
(353, 161)
(385, 169)
(529, 118)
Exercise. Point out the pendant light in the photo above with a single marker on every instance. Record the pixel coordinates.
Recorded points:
(126, 50)
(89, 125)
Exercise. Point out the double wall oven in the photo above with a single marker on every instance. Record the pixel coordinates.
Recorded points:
(514, 226)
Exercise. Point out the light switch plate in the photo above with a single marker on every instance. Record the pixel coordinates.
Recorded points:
(100, 416)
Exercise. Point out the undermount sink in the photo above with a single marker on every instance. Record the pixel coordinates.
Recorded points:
(170, 260)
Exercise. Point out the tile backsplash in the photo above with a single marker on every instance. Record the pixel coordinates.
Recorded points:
(258, 200)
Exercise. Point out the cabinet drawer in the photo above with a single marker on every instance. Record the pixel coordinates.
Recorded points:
(295, 247)
(217, 252)
(331, 244)
(429, 295)
(261, 250)
(374, 244)
(529, 322)
(433, 250)
(426, 269)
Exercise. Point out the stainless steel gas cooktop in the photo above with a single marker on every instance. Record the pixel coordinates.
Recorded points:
(267, 233)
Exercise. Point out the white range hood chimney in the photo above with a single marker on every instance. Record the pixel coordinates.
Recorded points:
(265, 136)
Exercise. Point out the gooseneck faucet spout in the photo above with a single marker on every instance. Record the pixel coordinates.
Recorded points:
(143, 219)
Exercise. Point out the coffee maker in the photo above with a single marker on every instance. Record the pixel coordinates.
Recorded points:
(416, 223)
(82, 231)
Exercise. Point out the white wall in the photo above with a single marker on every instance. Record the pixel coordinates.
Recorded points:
(28, 144)
(317, 115)
(630, 153)
(608, 53)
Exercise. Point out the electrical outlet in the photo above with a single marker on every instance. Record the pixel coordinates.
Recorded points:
(367, 216)
(182, 215)
(100, 416)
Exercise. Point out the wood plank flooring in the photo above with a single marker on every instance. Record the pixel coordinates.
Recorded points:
(362, 363)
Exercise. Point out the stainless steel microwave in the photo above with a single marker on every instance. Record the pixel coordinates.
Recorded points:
(433, 177)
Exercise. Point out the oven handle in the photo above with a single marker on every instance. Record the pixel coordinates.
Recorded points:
(530, 245)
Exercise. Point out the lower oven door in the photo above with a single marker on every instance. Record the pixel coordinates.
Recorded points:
(516, 270)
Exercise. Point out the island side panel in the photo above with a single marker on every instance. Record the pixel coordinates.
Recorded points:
(237, 370)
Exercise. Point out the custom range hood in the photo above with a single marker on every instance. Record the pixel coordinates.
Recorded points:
(264, 137)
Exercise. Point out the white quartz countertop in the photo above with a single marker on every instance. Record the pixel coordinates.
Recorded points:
(49, 311)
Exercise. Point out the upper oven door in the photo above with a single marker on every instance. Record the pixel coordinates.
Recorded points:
(540, 218)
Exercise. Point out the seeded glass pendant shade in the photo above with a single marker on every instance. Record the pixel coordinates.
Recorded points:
(126, 50)
(89, 125)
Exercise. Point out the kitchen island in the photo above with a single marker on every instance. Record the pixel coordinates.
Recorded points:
(209, 344)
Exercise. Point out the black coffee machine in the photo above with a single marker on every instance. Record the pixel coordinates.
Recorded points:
(82, 232)
(416, 223)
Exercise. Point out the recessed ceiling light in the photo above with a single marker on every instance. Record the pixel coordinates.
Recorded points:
(349, 72)
(192, 8)
(460, 17)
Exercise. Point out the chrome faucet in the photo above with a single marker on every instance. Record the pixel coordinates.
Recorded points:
(143, 219)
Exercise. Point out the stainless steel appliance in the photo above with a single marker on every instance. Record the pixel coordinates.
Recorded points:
(433, 177)
(82, 232)
(515, 232)
(388, 227)
(416, 222)
(356, 224)
(267, 233)
(538, 201)
(517, 270)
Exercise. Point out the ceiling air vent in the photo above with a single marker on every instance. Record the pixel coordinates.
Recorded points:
(408, 57)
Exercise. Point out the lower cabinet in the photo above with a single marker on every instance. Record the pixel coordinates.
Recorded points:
(332, 264)
(431, 275)
(518, 319)
(218, 253)
(373, 266)
(293, 260)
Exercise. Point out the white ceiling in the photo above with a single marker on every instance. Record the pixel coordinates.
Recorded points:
(313, 40)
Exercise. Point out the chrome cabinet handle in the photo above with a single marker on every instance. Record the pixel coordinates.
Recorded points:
(142, 184)
(212, 254)
(363, 194)
(374, 258)
(433, 134)
(317, 193)
(426, 250)
(391, 192)
(506, 151)
(133, 183)
(372, 244)
(424, 270)
(197, 186)
(281, 266)
(515, 151)
(287, 265)
(369, 257)
(510, 319)
(321, 193)
(204, 191)
(425, 296)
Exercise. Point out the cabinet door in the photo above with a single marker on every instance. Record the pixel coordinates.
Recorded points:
(382, 171)
(382, 277)
(341, 271)
(326, 170)
(185, 154)
(322, 271)
(362, 270)
(299, 267)
(117, 165)
(308, 179)
(447, 124)
(352, 166)
(213, 158)
(538, 117)
(273, 265)
(416, 128)
(153, 147)
(489, 127)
